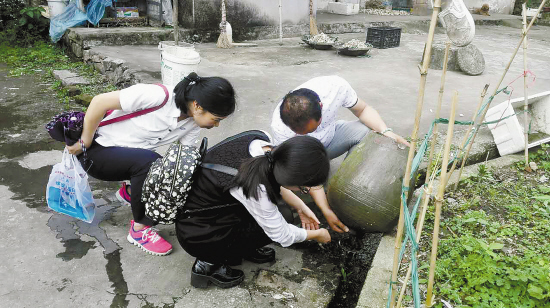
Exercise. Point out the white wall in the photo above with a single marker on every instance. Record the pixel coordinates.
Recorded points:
(293, 11)
(495, 6)
(322, 4)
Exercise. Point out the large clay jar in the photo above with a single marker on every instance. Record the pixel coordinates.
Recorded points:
(365, 191)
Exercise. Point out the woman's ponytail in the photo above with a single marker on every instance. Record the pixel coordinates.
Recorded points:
(214, 94)
(299, 161)
(255, 171)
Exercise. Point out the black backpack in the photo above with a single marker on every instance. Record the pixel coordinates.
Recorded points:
(170, 178)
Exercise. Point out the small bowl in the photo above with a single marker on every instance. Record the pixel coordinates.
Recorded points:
(321, 46)
(353, 52)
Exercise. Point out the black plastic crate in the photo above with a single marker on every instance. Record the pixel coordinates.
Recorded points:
(384, 37)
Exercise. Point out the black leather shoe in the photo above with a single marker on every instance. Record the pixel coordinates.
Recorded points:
(219, 274)
(261, 255)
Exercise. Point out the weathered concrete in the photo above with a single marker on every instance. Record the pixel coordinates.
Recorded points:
(80, 38)
(69, 78)
(114, 69)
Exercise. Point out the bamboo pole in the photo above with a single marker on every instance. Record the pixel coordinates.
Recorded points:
(439, 200)
(406, 181)
(480, 119)
(525, 95)
(431, 169)
(280, 22)
(465, 139)
(419, 227)
(439, 102)
(175, 22)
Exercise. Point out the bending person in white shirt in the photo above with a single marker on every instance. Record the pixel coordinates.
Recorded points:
(226, 219)
(311, 109)
(124, 150)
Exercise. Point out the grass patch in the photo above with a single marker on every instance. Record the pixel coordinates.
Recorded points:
(42, 58)
(494, 248)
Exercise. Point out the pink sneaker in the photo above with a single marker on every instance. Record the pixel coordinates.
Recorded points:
(122, 194)
(149, 240)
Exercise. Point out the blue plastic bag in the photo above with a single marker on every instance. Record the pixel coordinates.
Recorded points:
(70, 17)
(73, 16)
(68, 191)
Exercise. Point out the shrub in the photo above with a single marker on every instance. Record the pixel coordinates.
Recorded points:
(22, 25)
(9, 12)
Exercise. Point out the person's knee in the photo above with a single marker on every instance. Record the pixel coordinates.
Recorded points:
(360, 131)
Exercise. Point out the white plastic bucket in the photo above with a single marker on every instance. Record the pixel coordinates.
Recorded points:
(56, 7)
(176, 62)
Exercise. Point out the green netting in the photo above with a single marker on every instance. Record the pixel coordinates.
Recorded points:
(409, 217)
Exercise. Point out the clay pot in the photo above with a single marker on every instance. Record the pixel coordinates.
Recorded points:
(365, 191)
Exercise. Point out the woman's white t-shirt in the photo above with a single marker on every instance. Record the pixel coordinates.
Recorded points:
(266, 213)
(150, 130)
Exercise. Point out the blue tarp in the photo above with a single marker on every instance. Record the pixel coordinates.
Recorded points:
(72, 16)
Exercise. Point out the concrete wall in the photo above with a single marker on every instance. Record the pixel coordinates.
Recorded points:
(322, 4)
(495, 6)
(424, 7)
(242, 13)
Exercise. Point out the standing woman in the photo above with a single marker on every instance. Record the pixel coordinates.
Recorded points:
(226, 219)
(124, 150)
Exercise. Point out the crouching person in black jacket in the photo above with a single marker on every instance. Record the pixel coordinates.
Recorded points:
(226, 218)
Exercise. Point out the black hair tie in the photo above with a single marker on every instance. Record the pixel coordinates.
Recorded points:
(193, 80)
(270, 160)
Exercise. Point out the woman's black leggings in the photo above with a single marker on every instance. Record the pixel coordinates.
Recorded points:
(119, 164)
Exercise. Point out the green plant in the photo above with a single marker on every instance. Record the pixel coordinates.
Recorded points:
(32, 21)
(9, 12)
(344, 274)
(496, 251)
(24, 27)
(43, 58)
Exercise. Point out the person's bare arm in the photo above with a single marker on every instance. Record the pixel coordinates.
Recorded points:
(321, 235)
(95, 113)
(307, 217)
(320, 198)
(372, 119)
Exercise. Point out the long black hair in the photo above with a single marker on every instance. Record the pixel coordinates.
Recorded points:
(299, 161)
(214, 94)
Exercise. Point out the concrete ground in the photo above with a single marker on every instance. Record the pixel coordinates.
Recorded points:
(53, 260)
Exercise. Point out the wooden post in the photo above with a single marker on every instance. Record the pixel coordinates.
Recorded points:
(193, 11)
(439, 200)
(406, 181)
(175, 22)
(312, 22)
(526, 98)
(480, 119)
(465, 139)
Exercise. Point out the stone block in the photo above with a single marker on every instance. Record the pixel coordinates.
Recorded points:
(438, 55)
(342, 8)
(83, 99)
(69, 78)
(73, 91)
(470, 60)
